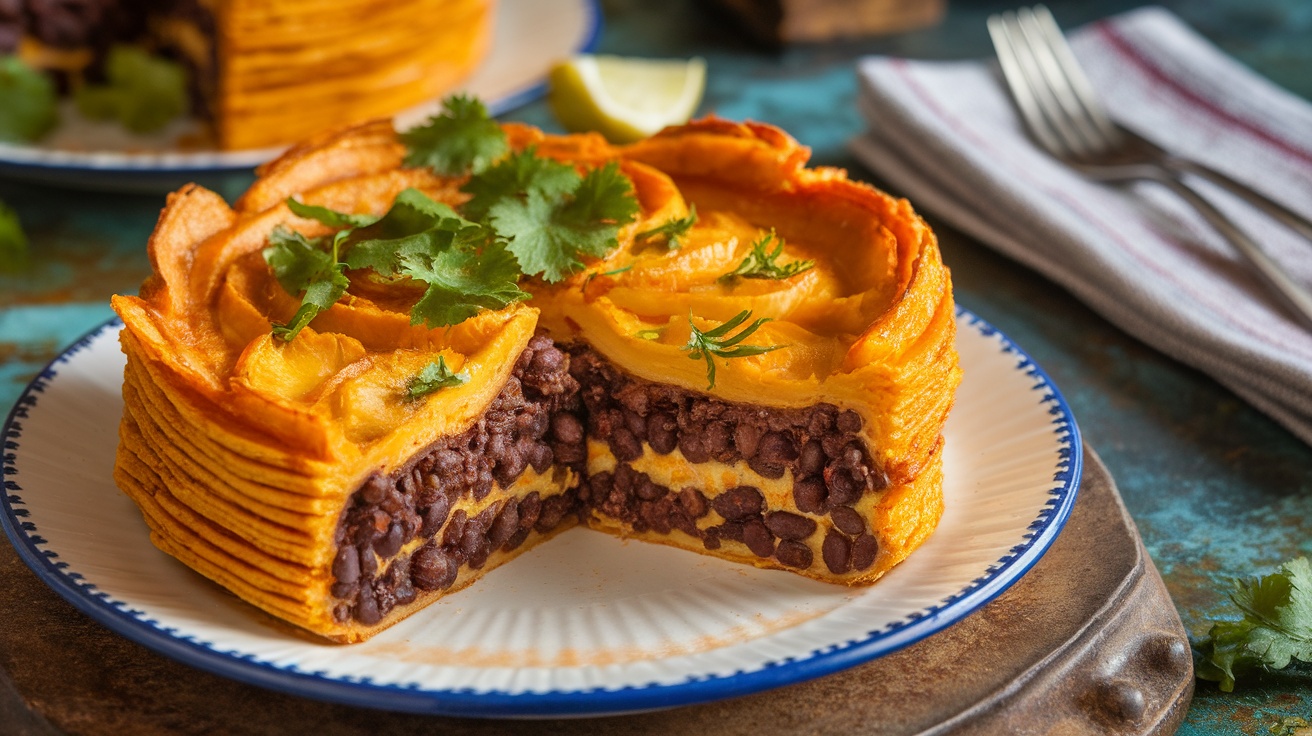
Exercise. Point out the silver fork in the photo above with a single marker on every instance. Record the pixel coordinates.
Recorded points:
(1066, 118)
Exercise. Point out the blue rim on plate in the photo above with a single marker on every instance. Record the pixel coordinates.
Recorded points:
(119, 617)
(56, 165)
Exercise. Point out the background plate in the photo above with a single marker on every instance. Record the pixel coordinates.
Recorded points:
(586, 624)
(531, 35)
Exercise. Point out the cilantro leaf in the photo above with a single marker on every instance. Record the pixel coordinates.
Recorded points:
(425, 240)
(1276, 628)
(302, 265)
(14, 253)
(515, 176)
(718, 342)
(331, 218)
(27, 102)
(144, 92)
(414, 223)
(762, 263)
(462, 282)
(671, 230)
(463, 138)
(549, 235)
(433, 377)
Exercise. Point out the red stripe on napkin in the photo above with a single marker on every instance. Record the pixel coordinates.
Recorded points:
(1128, 51)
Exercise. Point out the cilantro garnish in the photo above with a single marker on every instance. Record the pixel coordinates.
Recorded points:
(14, 254)
(144, 92)
(464, 268)
(1275, 630)
(27, 102)
(331, 218)
(514, 177)
(433, 377)
(463, 138)
(761, 263)
(671, 230)
(302, 265)
(548, 235)
(718, 342)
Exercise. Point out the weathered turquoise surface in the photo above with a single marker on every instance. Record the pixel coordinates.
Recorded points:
(1216, 488)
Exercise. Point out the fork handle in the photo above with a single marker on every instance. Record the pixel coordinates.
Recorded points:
(1281, 213)
(1297, 299)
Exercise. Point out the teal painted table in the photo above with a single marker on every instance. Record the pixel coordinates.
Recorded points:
(1216, 488)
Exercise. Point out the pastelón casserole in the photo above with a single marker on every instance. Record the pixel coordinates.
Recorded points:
(757, 365)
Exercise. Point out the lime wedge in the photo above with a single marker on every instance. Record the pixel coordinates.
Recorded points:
(623, 98)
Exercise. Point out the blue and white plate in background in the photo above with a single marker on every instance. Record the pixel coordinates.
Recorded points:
(530, 36)
(585, 624)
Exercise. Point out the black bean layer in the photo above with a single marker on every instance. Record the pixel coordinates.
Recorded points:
(533, 423)
(552, 403)
(820, 444)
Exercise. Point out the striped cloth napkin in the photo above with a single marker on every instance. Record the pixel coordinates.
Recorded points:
(945, 135)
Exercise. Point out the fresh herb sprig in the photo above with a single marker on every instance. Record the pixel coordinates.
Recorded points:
(460, 139)
(762, 263)
(143, 92)
(718, 342)
(670, 231)
(462, 267)
(28, 102)
(303, 266)
(434, 377)
(15, 254)
(527, 215)
(1275, 630)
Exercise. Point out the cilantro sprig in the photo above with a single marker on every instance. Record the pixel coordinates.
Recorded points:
(143, 93)
(15, 254)
(1275, 630)
(762, 263)
(303, 267)
(462, 138)
(462, 267)
(434, 377)
(718, 342)
(670, 231)
(549, 235)
(27, 102)
(527, 215)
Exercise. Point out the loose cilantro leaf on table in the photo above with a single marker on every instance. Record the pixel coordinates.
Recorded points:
(763, 264)
(1276, 628)
(718, 342)
(14, 254)
(433, 377)
(548, 235)
(303, 267)
(671, 230)
(27, 102)
(143, 93)
(463, 138)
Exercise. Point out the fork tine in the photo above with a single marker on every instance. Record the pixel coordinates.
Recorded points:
(1063, 139)
(1056, 42)
(1025, 99)
(1054, 76)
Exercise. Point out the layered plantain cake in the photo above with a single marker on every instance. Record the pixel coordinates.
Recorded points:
(400, 360)
(265, 73)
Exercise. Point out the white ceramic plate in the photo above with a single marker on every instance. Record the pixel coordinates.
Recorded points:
(531, 35)
(586, 624)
